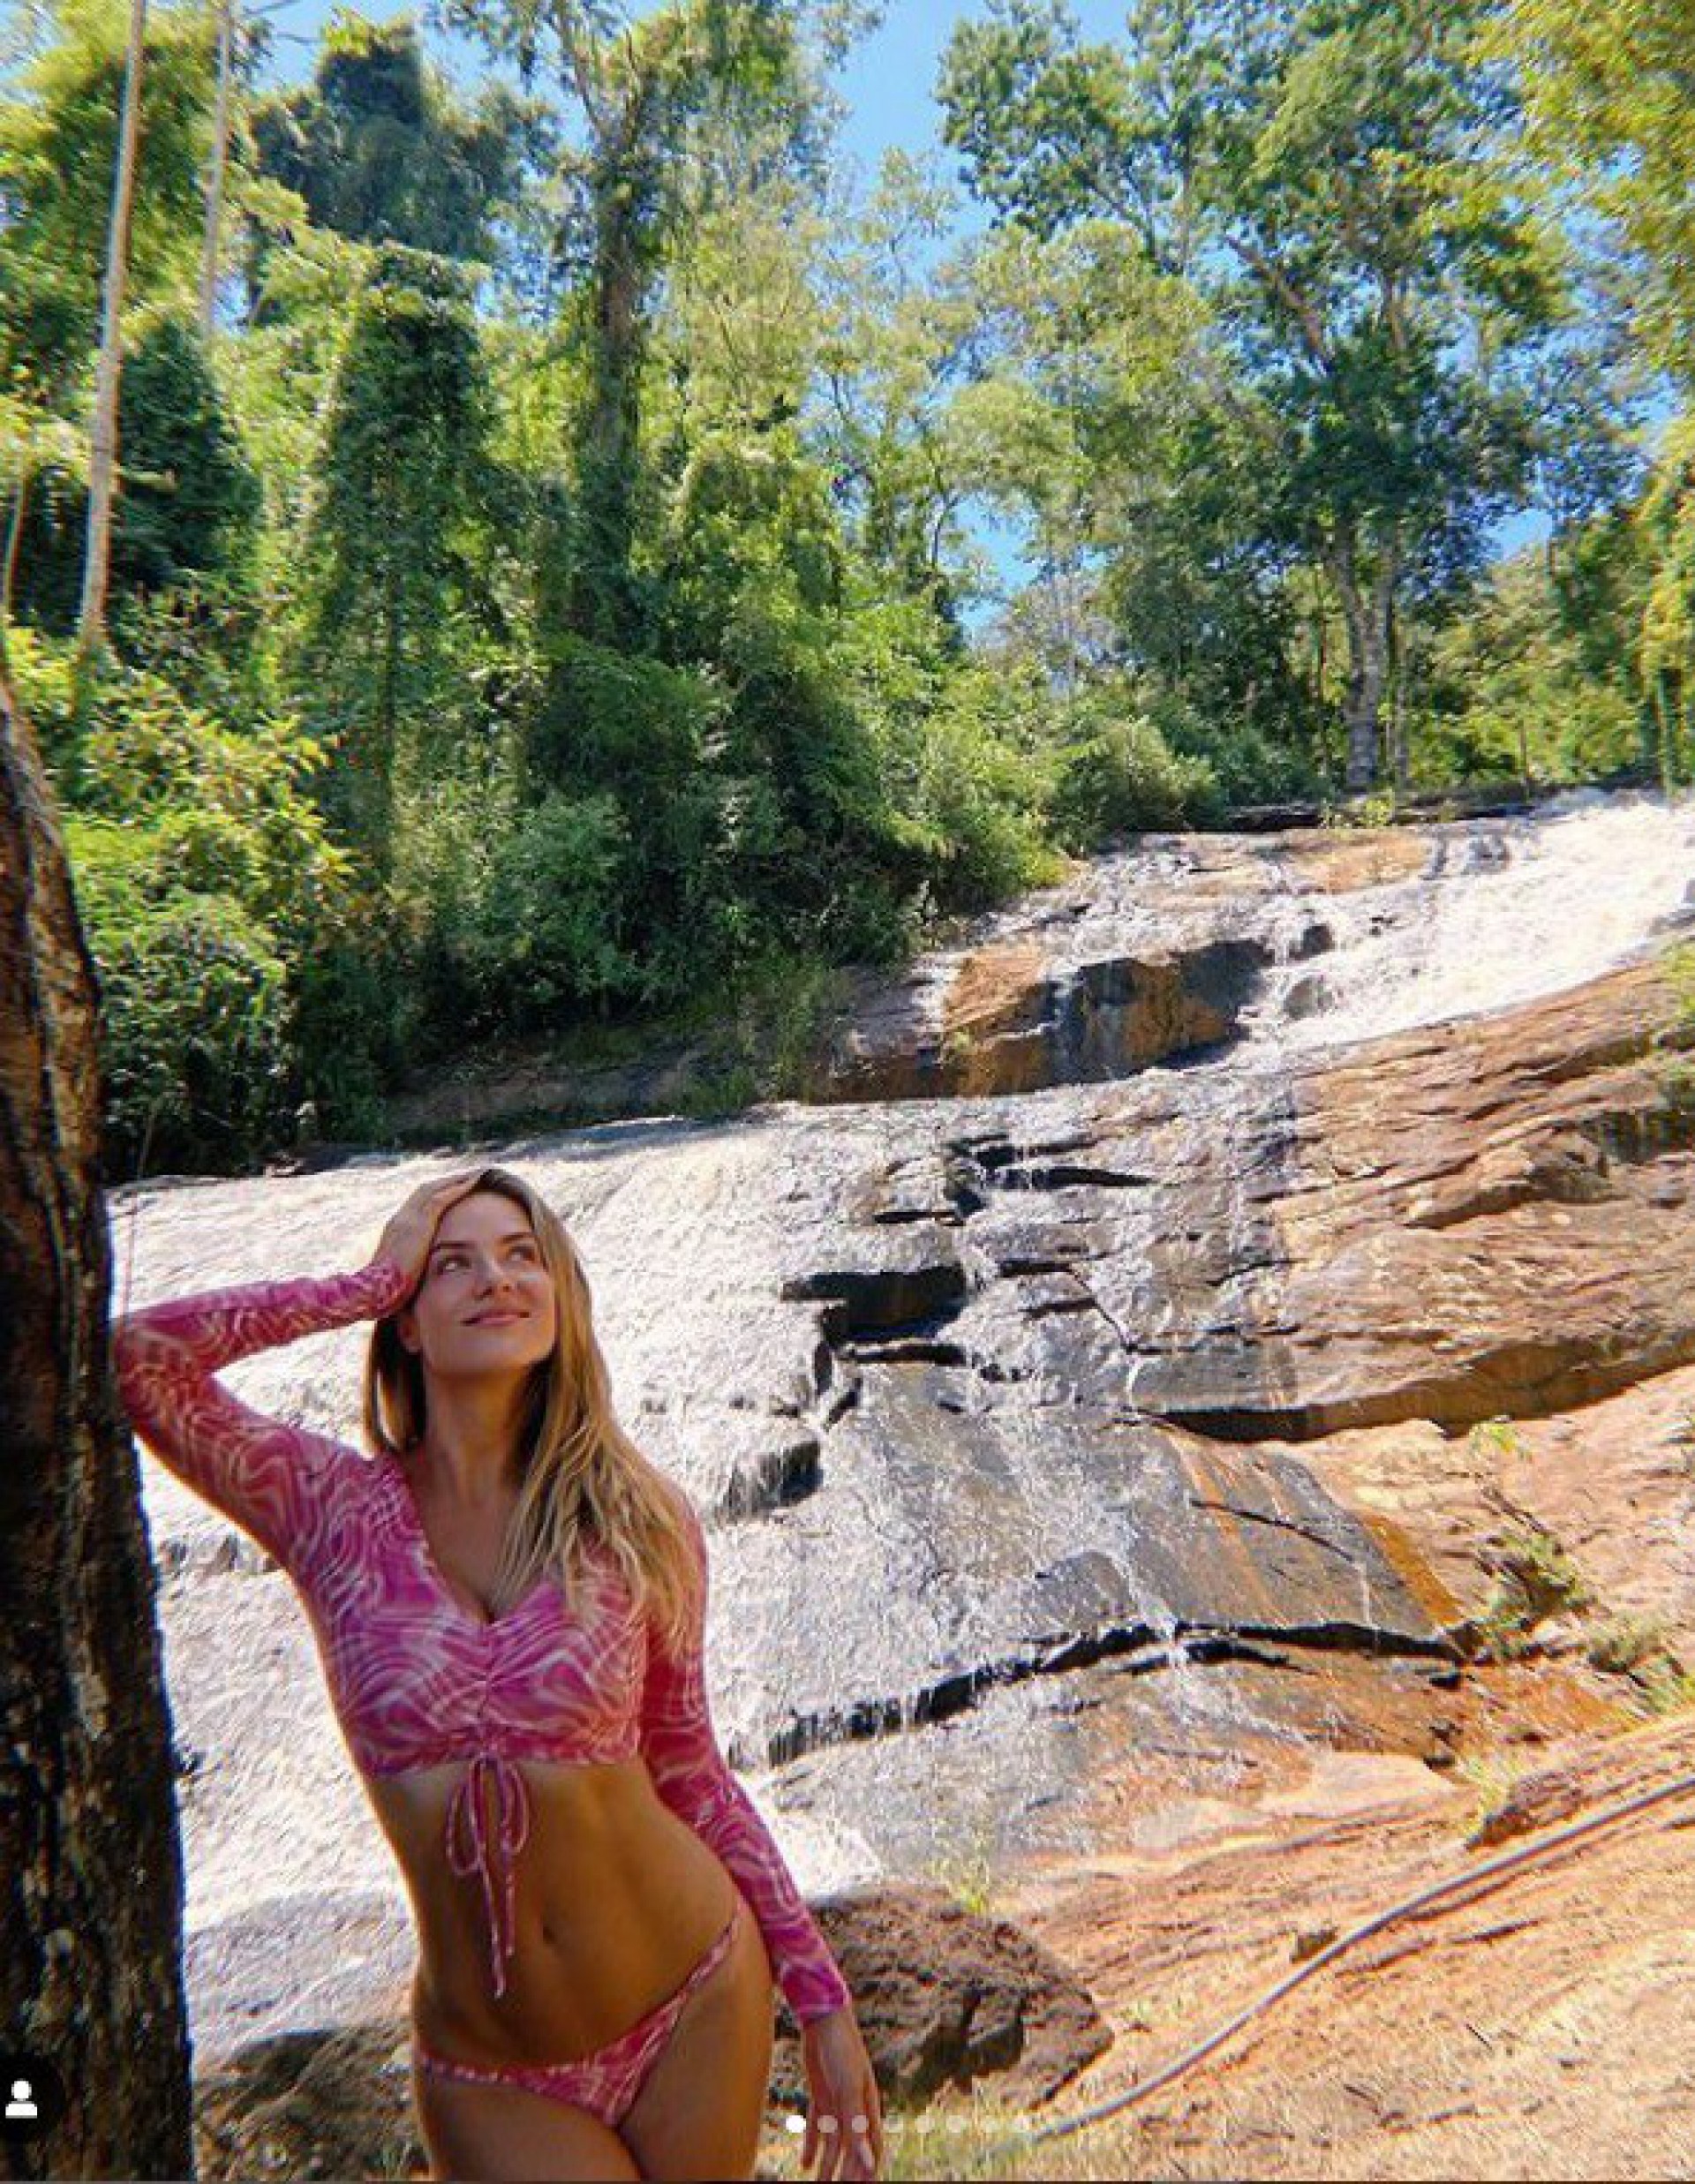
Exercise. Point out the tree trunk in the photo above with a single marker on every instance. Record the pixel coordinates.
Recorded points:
(102, 464)
(1366, 610)
(90, 1968)
(215, 165)
(14, 540)
(601, 606)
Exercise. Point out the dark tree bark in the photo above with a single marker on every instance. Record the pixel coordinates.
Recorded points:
(601, 607)
(1367, 610)
(90, 1861)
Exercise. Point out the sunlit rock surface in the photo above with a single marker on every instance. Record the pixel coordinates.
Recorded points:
(1078, 1390)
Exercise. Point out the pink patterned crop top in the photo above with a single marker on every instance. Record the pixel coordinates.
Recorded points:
(417, 1678)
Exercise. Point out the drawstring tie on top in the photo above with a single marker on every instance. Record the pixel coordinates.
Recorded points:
(469, 1849)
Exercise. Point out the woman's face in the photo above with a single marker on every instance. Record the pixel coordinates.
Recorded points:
(487, 1303)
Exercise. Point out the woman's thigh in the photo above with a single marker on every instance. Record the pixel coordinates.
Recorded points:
(701, 2106)
(505, 2135)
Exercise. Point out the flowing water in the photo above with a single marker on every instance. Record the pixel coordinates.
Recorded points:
(915, 1358)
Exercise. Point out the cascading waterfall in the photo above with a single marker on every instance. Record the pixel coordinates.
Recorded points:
(1510, 909)
(971, 1496)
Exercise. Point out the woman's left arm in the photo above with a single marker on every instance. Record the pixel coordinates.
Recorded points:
(690, 1773)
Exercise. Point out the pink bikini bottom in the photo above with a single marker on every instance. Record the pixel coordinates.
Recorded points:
(607, 2081)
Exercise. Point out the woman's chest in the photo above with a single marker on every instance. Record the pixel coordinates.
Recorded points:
(414, 1669)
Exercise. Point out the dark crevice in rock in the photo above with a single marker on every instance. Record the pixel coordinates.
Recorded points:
(1052, 1258)
(906, 1350)
(954, 1694)
(843, 1399)
(1267, 1516)
(911, 1298)
(1075, 1176)
(1045, 1307)
(774, 1479)
(1634, 1137)
(993, 1154)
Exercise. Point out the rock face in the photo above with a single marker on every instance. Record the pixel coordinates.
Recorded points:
(1129, 1372)
(1471, 1220)
(947, 1996)
(1009, 1019)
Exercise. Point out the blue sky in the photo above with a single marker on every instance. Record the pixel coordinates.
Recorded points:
(889, 82)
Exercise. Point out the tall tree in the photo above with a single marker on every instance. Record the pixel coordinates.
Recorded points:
(1332, 176)
(398, 544)
(1611, 98)
(380, 149)
(60, 149)
(191, 502)
(91, 1927)
(639, 91)
(1612, 115)
(102, 461)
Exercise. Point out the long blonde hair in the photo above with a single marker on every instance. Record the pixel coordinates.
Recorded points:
(582, 1476)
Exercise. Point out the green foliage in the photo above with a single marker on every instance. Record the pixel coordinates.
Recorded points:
(59, 141)
(1118, 774)
(188, 502)
(1668, 1687)
(1675, 1037)
(1375, 810)
(1609, 104)
(555, 590)
(541, 933)
(651, 738)
(398, 543)
(204, 879)
(1332, 179)
(378, 147)
(1493, 1777)
(1534, 1579)
(1508, 690)
(1625, 1642)
(1666, 644)
(967, 1871)
(194, 1014)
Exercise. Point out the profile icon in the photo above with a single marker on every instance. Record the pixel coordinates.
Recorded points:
(32, 2099)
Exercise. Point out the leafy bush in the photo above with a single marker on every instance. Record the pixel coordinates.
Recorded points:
(1625, 1642)
(196, 1014)
(204, 879)
(1119, 774)
(542, 933)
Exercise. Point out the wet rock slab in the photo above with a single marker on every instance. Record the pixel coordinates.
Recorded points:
(1010, 1411)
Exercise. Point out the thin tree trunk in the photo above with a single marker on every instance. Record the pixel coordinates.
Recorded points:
(610, 447)
(91, 1913)
(1366, 613)
(212, 239)
(14, 540)
(1401, 650)
(103, 469)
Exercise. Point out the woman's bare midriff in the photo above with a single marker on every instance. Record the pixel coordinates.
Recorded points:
(616, 1899)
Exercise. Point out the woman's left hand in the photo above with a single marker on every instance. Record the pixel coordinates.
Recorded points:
(843, 2085)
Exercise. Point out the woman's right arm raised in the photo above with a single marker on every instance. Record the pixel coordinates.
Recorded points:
(260, 1471)
(263, 1474)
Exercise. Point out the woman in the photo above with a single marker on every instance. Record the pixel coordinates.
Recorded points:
(510, 1603)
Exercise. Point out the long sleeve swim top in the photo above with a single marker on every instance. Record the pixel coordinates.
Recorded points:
(417, 1679)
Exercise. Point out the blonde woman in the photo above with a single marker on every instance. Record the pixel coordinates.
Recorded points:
(509, 1601)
